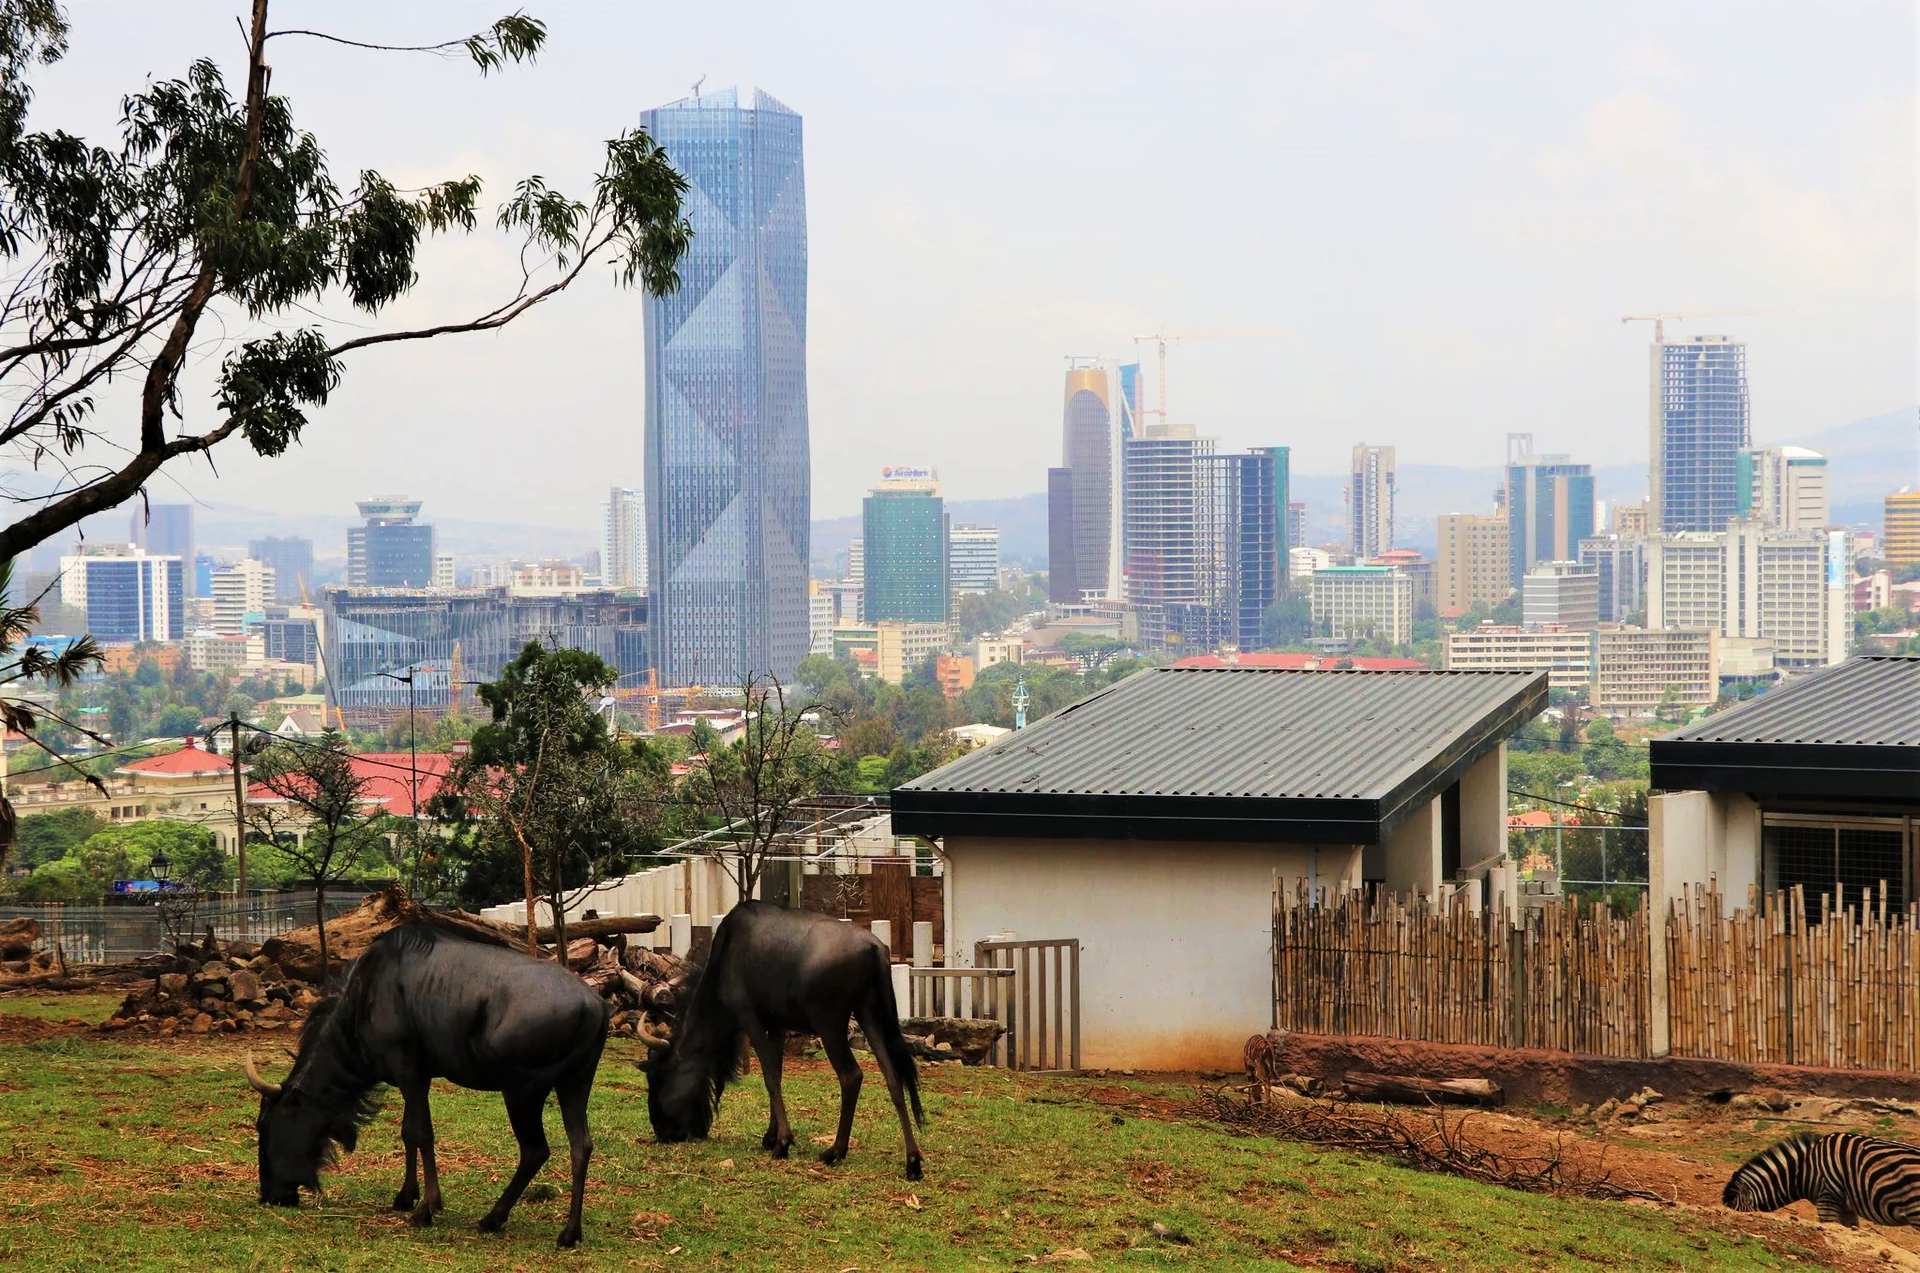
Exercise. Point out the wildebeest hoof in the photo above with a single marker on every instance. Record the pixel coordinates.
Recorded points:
(780, 1149)
(421, 1217)
(569, 1238)
(404, 1200)
(771, 1140)
(491, 1223)
(830, 1156)
(913, 1167)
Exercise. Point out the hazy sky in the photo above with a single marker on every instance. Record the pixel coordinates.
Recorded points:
(1448, 206)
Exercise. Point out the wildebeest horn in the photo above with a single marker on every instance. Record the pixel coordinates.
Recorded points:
(647, 1036)
(257, 1083)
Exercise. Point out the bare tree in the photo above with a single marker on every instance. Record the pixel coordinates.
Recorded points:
(753, 784)
(317, 812)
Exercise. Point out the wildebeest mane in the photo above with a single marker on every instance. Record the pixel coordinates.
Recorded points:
(328, 1072)
(707, 1033)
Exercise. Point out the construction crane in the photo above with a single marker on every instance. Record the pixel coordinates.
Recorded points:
(1659, 321)
(1164, 338)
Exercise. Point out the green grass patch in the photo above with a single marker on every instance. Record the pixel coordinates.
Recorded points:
(125, 1157)
(90, 1008)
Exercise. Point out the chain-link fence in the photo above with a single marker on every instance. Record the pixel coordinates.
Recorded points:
(114, 934)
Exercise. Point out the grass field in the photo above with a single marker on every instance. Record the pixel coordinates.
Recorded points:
(116, 1155)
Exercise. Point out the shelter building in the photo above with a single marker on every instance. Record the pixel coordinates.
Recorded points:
(1153, 821)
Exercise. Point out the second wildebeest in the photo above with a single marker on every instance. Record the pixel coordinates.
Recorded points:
(422, 1004)
(771, 972)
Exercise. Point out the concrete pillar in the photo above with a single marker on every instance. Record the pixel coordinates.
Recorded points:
(1483, 808)
(681, 933)
(1413, 852)
(922, 944)
(903, 990)
(883, 929)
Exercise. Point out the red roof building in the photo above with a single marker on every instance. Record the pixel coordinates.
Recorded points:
(1295, 661)
(389, 776)
(190, 761)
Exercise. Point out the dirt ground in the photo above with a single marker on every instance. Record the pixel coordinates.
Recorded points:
(1683, 1152)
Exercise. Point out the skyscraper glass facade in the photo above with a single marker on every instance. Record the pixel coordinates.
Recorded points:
(1701, 427)
(905, 532)
(1086, 507)
(1550, 509)
(727, 475)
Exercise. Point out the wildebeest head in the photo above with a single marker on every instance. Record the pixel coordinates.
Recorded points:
(297, 1134)
(680, 1093)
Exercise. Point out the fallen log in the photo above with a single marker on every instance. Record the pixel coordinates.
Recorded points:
(1406, 1089)
(17, 936)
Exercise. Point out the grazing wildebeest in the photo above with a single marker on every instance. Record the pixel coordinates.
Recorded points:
(421, 1004)
(771, 971)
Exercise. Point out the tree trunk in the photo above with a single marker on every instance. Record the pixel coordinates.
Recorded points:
(320, 920)
(1409, 1090)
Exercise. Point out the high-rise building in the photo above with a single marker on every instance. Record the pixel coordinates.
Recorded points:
(1560, 594)
(165, 530)
(856, 561)
(391, 550)
(1900, 533)
(291, 558)
(1243, 537)
(1619, 564)
(1296, 525)
(1700, 425)
(128, 593)
(1630, 519)
(1354, 602)
(623, 548)
(1370, 501)
(443, 577)
(1082, 496)
(727, 464)
(240, 589)
(904, 525)
(973, 559)
(1784, 486)
(1750, 580)
(1162, 510)
(1638, 669)
(1564, 654)
(1549, 506)
(1473, 566)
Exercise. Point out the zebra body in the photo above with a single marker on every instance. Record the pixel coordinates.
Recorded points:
(1845, 1175)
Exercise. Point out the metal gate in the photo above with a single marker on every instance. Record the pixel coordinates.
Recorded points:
(1042, 1011)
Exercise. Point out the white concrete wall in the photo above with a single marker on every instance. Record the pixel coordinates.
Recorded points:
(699, 887)
(1694, 837)
(1483, 809)
(1176, 939)
(1413, 851)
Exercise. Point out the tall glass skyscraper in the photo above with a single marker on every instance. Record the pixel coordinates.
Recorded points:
(1701, 424)
(1080, 494)
(728, 481)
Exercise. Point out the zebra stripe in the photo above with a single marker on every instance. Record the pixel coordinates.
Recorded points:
(1845, 1175)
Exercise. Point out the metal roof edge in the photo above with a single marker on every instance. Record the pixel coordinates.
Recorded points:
(1434, 777)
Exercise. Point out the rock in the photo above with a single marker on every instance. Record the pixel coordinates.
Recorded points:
(305, 999)
(18, 967)
(272, 1012)
(1605, 1110)
(244, 986)
(971, 1038)
(244, 1017)
(1765, 1100)
(1644, 1097)
(214, 970)
(202, 1023)
(267, 1025)
(166, 1027)
(211, 989)
(269, 971)
(172, 983)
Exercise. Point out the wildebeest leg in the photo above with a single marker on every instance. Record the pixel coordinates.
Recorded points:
(523, 1112)
(410, 1191)
(573, 1092)
(833, 1037)
(895, 1088)
(416, 1129)
(770, 1047)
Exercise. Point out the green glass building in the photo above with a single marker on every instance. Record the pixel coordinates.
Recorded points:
(906, 546)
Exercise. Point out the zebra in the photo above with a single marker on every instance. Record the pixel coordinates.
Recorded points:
(1844, 1174)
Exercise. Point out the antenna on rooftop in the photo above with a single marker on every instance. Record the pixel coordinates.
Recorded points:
(696, 85)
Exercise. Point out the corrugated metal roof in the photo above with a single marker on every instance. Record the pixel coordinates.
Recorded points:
(1865, 702)
(1239, 732)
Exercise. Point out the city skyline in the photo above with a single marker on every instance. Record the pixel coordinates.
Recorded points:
(1793, 199)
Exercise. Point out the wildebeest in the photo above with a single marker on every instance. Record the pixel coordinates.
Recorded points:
(772, 971)
(1844, 1174)
(422, 1004)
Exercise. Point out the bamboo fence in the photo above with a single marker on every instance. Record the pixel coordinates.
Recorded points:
(1765, 985)
(1378, 964)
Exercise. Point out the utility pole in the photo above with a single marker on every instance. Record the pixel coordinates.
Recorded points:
(239, 808)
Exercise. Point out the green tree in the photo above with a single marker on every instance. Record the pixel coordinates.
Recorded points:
(546, 788)
(215, 225)
(48, 837)
(1287, 624)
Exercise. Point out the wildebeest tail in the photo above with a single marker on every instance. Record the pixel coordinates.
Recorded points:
(885, 1015)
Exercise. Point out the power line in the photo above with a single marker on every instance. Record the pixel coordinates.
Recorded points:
(1569, 804)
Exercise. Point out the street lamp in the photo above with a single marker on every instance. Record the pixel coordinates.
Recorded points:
(413, 759)
(160, 868)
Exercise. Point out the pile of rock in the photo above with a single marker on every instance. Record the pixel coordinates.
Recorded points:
(236, 988)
